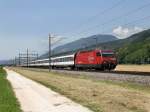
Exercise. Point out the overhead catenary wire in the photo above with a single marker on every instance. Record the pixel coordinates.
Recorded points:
(132, 22)
(116, 18)
(92, 18)
(103, 12)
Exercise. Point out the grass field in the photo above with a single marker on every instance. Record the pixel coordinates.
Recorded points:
(8, 102)
(99, 96)
(137, 68)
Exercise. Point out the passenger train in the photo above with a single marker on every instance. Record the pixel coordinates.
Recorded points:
(90, 59)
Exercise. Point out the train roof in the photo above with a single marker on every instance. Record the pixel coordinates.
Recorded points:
(91, 50)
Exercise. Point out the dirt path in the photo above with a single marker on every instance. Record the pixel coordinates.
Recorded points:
(35, 97)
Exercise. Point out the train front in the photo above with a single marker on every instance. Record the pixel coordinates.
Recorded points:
(108, 59)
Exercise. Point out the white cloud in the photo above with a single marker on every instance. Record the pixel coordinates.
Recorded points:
(122, 32)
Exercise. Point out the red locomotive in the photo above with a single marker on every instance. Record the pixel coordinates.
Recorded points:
(97, 59)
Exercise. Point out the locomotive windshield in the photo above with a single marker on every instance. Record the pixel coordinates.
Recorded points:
(107, 54)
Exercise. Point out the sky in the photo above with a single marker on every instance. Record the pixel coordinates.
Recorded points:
(27, 23)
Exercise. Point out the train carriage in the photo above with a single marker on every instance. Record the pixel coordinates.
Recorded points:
(63, 61)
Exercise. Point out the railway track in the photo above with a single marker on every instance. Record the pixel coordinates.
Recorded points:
(121, 76)
(113, 76)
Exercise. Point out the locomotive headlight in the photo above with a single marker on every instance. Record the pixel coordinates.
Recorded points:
(104, 62)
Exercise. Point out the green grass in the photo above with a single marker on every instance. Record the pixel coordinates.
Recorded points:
(129, 85)
(8, 101)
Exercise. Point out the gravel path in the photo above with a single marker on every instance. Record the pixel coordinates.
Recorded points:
(140, 79)
(35, 97)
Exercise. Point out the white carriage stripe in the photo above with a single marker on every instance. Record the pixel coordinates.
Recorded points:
(54, 63)
(53, 58)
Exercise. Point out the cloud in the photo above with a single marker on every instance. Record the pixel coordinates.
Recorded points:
(122, 32)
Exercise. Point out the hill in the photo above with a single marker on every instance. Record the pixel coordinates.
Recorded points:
(82, 43)
(132, 50)
(136, 49)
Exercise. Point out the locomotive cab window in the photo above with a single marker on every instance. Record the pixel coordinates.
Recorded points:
(108, 54)
(98, 54)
